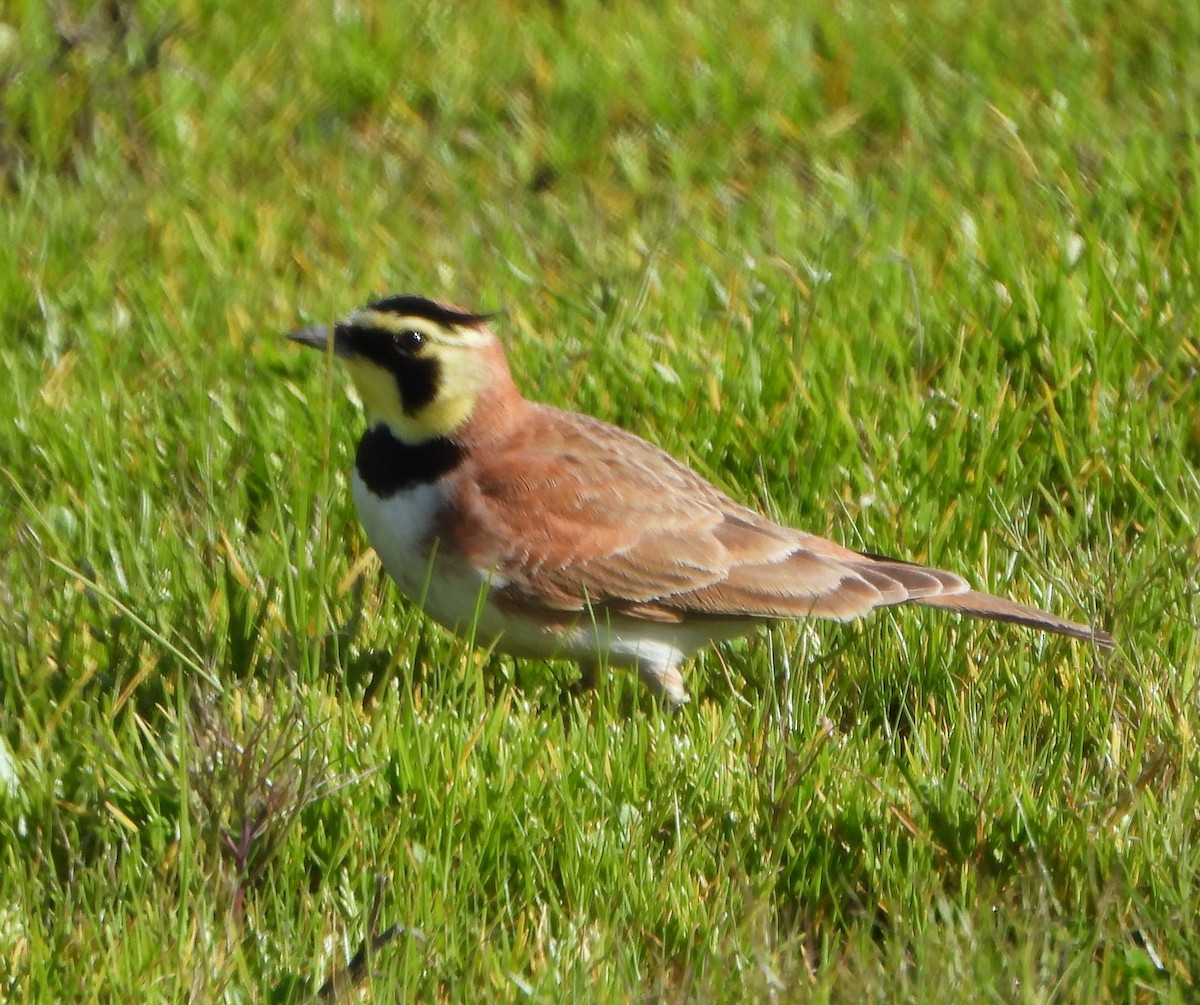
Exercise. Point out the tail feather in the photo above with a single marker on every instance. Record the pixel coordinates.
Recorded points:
(984, 605)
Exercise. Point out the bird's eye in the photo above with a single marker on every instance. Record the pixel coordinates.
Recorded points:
(409, 342)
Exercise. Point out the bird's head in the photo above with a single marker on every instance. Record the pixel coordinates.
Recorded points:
(419, 366)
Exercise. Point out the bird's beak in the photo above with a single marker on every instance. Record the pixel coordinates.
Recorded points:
(319, 337)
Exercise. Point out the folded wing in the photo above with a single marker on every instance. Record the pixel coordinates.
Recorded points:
(588, 514)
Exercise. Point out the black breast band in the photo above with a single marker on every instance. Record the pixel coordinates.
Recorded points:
(388, 465)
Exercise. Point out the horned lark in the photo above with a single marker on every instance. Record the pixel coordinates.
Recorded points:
(547, 533)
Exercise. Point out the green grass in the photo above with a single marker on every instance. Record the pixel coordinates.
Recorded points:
(919, 276)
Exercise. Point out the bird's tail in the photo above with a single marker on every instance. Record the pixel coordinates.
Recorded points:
(984, 605)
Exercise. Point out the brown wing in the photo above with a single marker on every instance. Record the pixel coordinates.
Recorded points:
(575, 512)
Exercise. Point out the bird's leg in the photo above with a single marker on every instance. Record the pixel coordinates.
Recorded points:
(664, 681)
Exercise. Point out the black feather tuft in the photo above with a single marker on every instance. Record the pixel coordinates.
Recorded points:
(409, 305)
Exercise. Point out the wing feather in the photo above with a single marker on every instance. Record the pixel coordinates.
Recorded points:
(574, 512)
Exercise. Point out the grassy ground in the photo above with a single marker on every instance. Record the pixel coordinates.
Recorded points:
(919, 276)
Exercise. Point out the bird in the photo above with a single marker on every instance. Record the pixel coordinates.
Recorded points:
(546, 533)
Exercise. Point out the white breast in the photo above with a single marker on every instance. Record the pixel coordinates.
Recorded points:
(401, 529)
(450, 589)
(398, 528)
